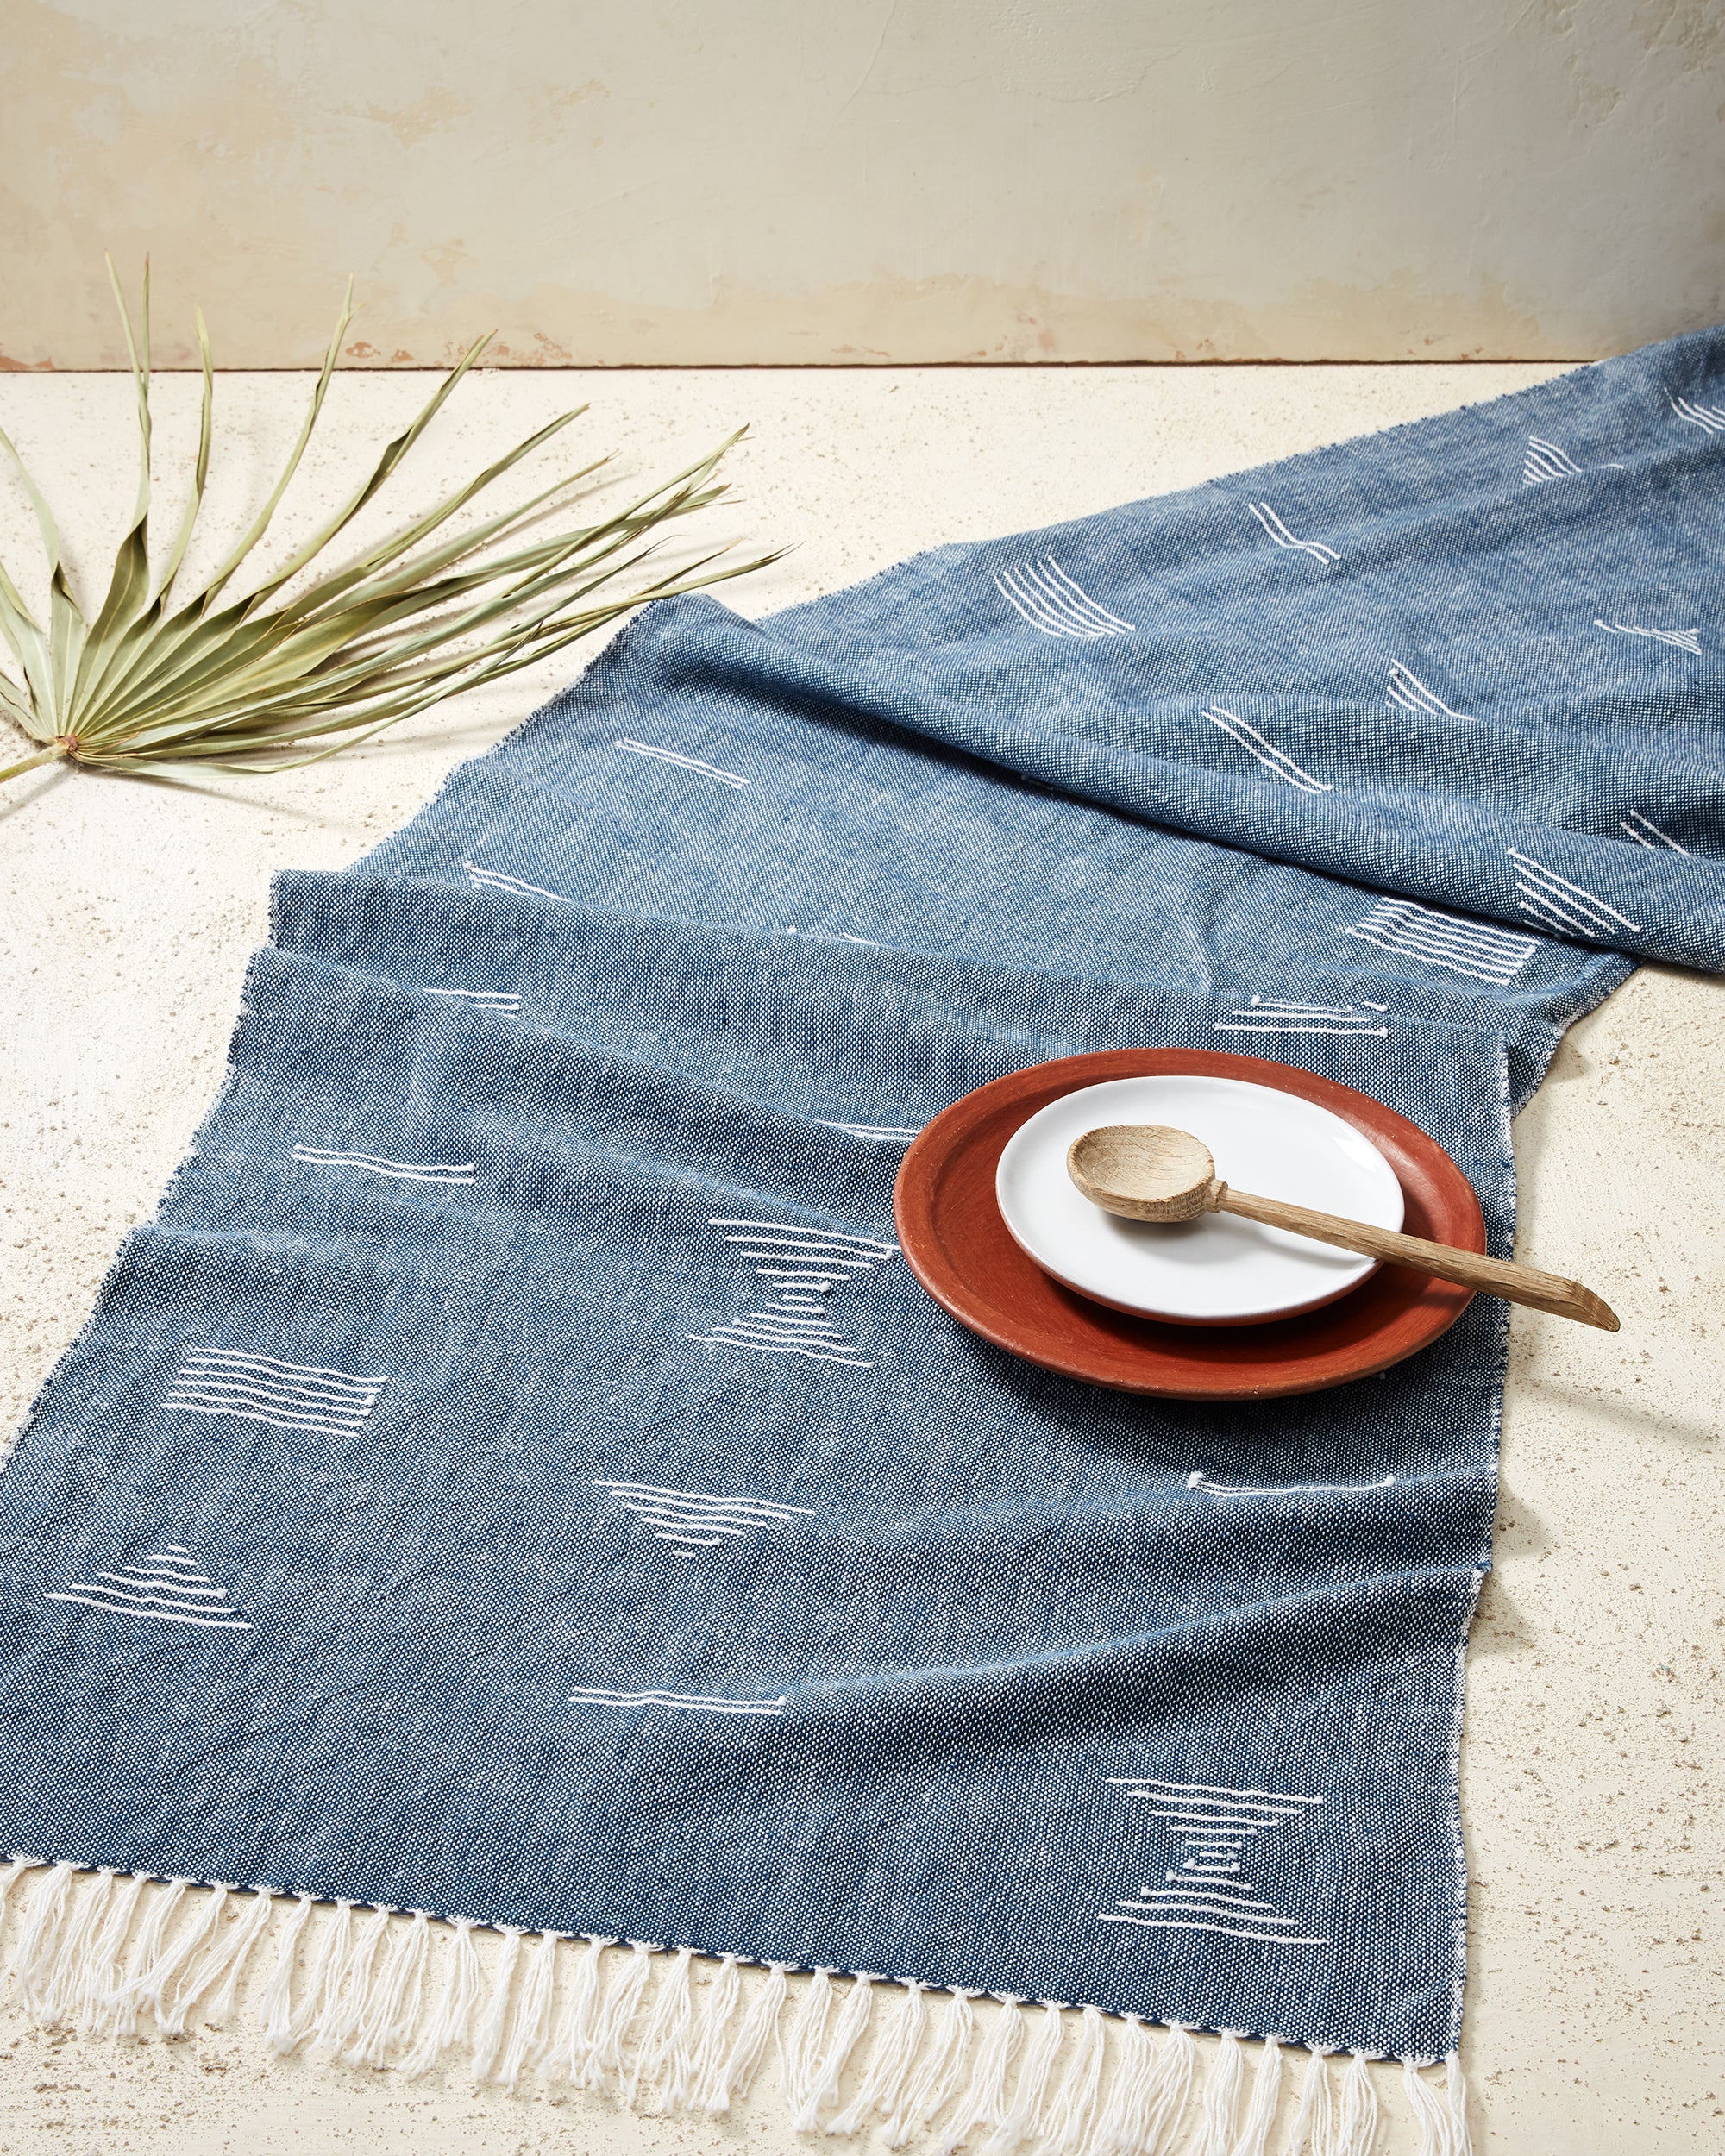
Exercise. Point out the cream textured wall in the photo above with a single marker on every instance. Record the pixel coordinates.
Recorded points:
(685, 182)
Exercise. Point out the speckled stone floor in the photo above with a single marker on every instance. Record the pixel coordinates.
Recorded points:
(1590, 1769)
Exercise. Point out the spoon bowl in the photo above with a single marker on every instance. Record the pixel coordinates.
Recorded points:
(1143, 1171)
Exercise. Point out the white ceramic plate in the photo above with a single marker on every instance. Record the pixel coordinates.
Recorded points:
(1216, 1270)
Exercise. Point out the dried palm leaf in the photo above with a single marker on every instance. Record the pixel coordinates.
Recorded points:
(152, 685)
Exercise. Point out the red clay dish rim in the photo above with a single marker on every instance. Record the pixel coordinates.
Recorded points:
(957, 1246)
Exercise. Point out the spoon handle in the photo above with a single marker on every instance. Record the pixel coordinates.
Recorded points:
(1513, 1283)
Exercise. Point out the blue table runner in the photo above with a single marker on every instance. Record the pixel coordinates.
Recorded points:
(515, 1479)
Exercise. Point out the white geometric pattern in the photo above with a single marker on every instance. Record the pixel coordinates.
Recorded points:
(1211, 1827)
(1709, 417)
(1440, 939)
(1555, 902)
(1279, 532)
(802, 1266)
(697, 1520)
(263, 1388)
(1049, 600)
(166, 1586)
(1277, 760)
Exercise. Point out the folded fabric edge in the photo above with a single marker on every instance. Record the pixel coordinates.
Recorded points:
(104, 1952)
(298, 897)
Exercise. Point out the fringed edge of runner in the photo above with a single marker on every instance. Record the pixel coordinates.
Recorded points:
(102, 1953)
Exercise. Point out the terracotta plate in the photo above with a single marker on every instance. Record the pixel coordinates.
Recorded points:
(957, 1244)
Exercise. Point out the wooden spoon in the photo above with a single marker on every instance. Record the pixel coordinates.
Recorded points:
(1144, 1171)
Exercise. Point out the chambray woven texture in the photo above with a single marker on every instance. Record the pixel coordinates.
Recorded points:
(516, 1476)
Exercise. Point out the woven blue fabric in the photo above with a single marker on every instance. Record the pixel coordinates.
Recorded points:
(449, 1505)
(1467, 662)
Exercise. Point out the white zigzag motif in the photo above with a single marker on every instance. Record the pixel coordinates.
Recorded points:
(396, 1170)
(1261, 1017)
(1440, 939)
(689, 1702)
(494, 880)
(1709, 417)
(1197, 1480)
(1547, 461)
(481, 999)
(262, 1389)
(1279, 532)
(1049, 600)
(1211, 1826)
(803, 1266)
(1272, 758)
(166, 1586)
(699, 1519)
(1407, 689)
(688, 763)
(1645, 833)
(1684, 639)
(1556, 903)
(1550, 460)
(895, 1133)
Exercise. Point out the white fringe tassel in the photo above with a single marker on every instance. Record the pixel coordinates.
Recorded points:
(617, 2009)
(364, 2001)
(1023, 2122)
(1455, 2088)
(348, 1995)
(107, 1962)
(160, 1983)
(1266, 2092)
(1069, 2116)
(1221, 2097)
(69, 1963)
(983, 2103)
(493, 2023)
(1356, 2123)
(528, 2038)
(711, 2031)
(663, 2058)
(930, 2094)
(1311, 2134)
(323, 1978)
(800, 2051)
(853, 2021)
(899, 2089)
(760, 2027)
(1430, 2113)
(10, 1877)
(393, 2008)
(1173, 2087)
(448, 2025)
(222, 1965)
(122, 2009)
(934, 2083)
(896, 2049)
(571, 2050)
(1145, 2108)
(1123, 2111)
(276, 2005)
(34, 1956)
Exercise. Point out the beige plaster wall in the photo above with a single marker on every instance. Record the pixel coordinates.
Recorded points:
(686, 182)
